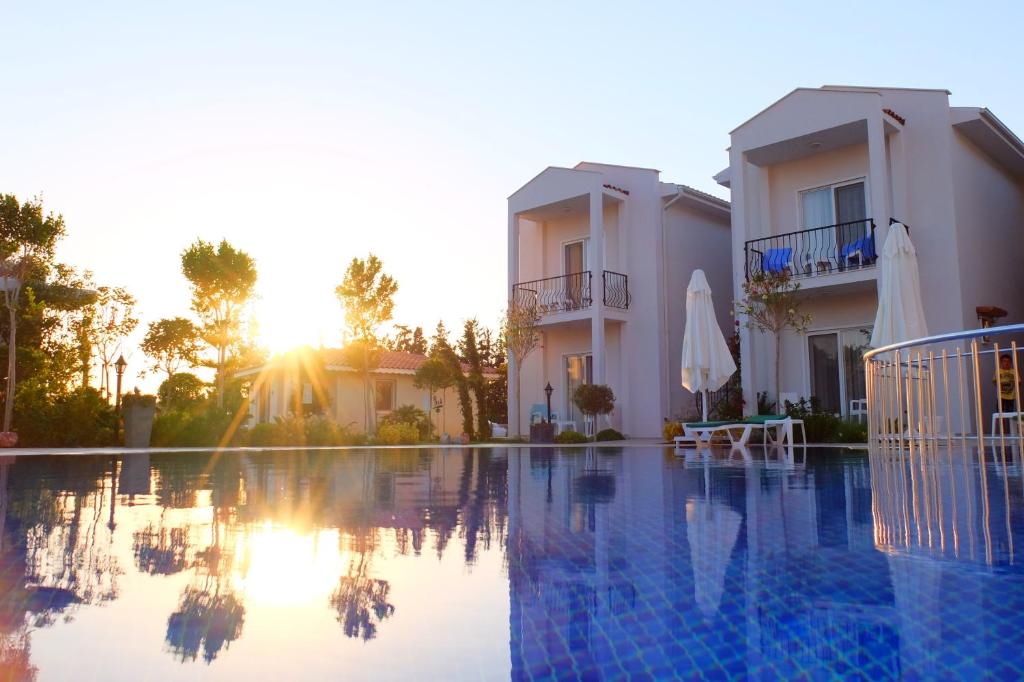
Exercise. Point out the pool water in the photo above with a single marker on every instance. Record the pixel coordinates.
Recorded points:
(592, 563)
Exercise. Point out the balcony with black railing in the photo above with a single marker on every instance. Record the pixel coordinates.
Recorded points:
(810, 253)
(568, 293)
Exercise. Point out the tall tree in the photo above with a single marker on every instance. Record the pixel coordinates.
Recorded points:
(367, 295)
(171, 343)
(433, 375)
(471, 353)
(111, 319)
(222, 279)
(27, 241)
(519, 329)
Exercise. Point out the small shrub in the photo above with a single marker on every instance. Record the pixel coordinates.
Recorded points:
(670, 430)
(410, 414)
(137, 399)
(181, 391)
(569, 436)
(609, 434)
(766, 406)
(822, 427)
(398, 434)
(852, 432)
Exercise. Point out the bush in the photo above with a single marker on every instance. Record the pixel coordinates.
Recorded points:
(594, 399)
(670, 430)
(398, 434)
(409, 414)
(292, 431)
(81, 418)
(137, 399)
(766, 406)
(205, 426)
(822, 427)
(852, 432)
(571, 437)
(609, 434)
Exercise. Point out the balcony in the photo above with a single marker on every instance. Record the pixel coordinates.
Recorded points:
(820, 251)
(572, 292)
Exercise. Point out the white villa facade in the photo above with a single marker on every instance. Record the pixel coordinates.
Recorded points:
(816, 179)
(605, 253)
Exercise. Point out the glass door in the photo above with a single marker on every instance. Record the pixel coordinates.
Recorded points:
(579, 369)
(851, 213)
(837, 368)
(574, 266)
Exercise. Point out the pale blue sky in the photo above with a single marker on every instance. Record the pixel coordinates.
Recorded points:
(308, 133)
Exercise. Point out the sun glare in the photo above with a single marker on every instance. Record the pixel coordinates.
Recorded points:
(285, 568)
(284, 325)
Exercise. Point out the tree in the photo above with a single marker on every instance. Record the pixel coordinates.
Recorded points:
(450, 358)
(408, 340)
(171, 343)
(770, 305)
(222, 279)
(367, 295)
(433, 375)
(594, 400)
(476, 381)
(519, 329)
(27, 241)
(181, 391)
(111, 319)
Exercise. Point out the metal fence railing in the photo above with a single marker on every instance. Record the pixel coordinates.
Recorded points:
(963, 385)
(817, 251)
(566, 293)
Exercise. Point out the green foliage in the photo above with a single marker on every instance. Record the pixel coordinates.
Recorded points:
(569, 436)
(477, 382)
(138, 399)
(608, 434)
(205, 426)
(410, 414)
(671, 429)
(497, 396)
(367, 294)
(80, 418)
(294, 431)
(594, 399)
(851, 431)
(181, 391)
(821, 427)
(764, 404)
(172, 343)
(222, 279)
(408, 340)
(397, 434)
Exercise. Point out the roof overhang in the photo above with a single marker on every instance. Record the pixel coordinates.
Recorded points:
(989, 134)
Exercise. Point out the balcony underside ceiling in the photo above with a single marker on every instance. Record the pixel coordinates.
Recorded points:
(816, 142)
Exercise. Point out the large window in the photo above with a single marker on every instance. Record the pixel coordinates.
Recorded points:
(843, 205)
(384, 396)
(837, 368)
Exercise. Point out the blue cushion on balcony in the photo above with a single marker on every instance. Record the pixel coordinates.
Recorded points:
(865, 246)
(777, 260)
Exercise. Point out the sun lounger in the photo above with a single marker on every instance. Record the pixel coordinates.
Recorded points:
(739, 432)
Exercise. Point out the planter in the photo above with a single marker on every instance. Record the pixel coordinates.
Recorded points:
(138, 425)
(543, 432)
(8, 439)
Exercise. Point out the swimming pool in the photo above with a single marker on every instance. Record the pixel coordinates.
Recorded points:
(512, 564)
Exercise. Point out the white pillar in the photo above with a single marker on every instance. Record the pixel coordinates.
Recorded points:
(514, 426)
(900, 192)
(596, 264)
(741, 232)
(878, 176)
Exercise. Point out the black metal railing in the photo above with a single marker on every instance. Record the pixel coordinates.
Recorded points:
(566, 293)
(616, 289)
(555, 294)
(818, 251)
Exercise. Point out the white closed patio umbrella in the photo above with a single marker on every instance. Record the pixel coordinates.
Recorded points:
(900, 314)
(707, 362)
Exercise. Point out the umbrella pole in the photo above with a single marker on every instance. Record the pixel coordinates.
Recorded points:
(704, 404)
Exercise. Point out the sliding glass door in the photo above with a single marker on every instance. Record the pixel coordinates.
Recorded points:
(836, 368)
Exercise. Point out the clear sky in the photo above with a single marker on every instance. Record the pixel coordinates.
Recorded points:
(309, 133)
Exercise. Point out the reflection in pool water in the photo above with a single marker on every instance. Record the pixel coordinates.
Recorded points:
(518, 563)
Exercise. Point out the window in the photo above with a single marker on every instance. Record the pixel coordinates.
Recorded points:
(384, 396)
(836, 368)
(841, 205)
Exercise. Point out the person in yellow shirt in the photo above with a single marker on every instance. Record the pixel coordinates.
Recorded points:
(1009, 383)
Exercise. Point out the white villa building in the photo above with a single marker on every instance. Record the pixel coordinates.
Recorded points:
(816, 179)
(605, 253)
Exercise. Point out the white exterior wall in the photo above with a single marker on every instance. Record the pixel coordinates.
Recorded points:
(966, 212)
(637, 343)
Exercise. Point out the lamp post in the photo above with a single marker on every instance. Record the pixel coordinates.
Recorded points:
(548, 391)
(119, 366)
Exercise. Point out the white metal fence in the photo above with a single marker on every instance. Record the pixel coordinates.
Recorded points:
(947, 388)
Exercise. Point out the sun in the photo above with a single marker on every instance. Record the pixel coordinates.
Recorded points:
(282, 325)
